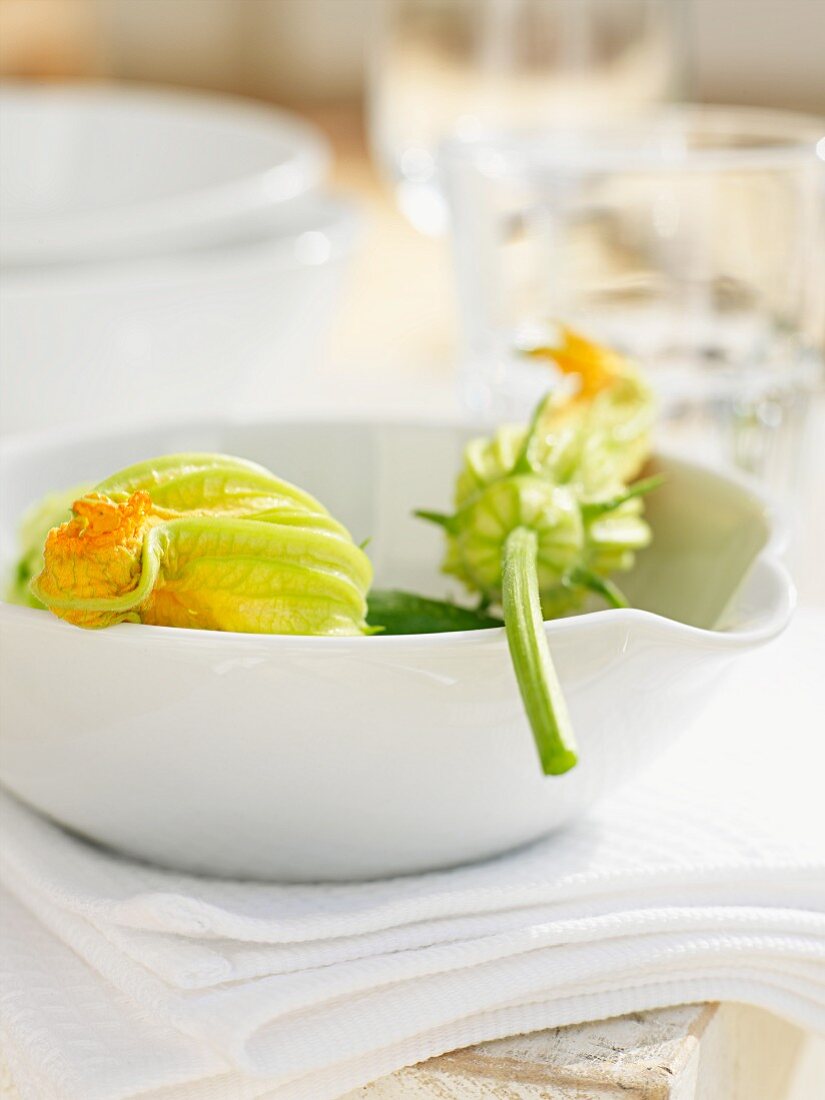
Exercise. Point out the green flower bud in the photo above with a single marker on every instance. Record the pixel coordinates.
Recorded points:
(478, 532)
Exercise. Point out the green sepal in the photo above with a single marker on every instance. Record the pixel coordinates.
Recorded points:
(449, 523)
(526, 462)
(601, 586)
(591, 509)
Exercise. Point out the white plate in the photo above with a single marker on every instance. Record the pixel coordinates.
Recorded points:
(102, 170)
(305, 758)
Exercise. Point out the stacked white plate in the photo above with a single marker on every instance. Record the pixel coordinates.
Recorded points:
(159, 250)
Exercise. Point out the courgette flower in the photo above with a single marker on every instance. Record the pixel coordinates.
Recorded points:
(206, 541)
(544, 514)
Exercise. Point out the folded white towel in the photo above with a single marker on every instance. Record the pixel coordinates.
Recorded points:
(704, 880)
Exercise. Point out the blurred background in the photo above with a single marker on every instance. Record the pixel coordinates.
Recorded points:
(387, 287)
(314, 56)
(763, 52)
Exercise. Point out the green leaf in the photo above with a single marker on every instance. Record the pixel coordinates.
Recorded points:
(405, 613)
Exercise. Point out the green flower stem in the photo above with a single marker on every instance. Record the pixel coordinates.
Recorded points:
(538, 683)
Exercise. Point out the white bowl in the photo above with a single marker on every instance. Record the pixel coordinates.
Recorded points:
(307, 758)
(97, 171)
(208, 332)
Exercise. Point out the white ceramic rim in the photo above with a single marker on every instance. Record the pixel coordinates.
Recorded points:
(84, 236)
(767, 561)
(336, 227)
(627, 146)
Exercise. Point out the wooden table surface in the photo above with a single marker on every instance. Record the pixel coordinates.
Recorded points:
(691, 1052)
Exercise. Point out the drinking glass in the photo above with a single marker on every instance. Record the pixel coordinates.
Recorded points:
(691, 240)
(458, 68)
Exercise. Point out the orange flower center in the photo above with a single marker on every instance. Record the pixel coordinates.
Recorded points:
(597, 367)
(96, 554)
(99, 520)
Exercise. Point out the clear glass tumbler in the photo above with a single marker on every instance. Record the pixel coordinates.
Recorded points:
(691, 240)
(458, 68)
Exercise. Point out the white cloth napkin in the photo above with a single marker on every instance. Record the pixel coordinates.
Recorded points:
(703, 880)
